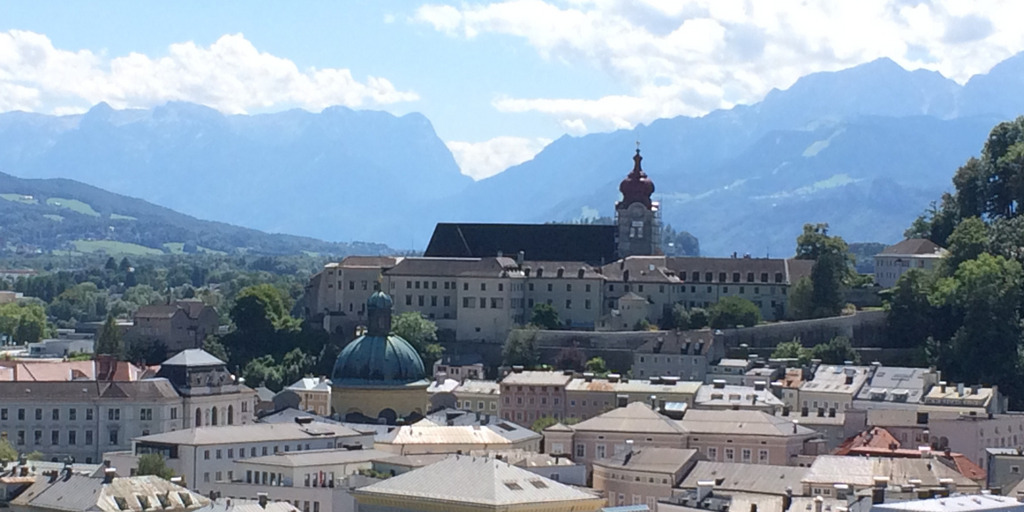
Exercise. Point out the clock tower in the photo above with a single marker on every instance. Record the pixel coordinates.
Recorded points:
(637, 217)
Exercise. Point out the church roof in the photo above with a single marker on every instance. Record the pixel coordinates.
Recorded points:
(378, 360)
(592, 243)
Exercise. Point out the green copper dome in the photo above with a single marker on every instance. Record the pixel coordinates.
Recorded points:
(378, 357)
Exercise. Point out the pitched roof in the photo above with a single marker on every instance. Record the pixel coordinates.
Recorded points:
(874, 437)
(252, 433)
(654, 460)
(244, 505)
(454, 267)
(431, 433)
(635, 417)
(476, 480)
(679, 342)
(159, 311)
(138, 493)
(539, 242)
(310, 384)
(537, 378)
(78, 391)
(369, 261)
(755, 478)
(641, 269)
(193, 357)
(319, 458)
(913, 246)
(706, 421)
(860, 471)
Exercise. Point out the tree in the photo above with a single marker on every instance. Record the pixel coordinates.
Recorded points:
(521, 348)
(679, 318)
(23, 321)
(215, 348)
(7, 451)
(597, 366)
(421, 333)
(154, 464)
(733, 311)
(832, 270)
(792, 350)
(545, 317)
(968, 241)
(263, 371)
(908, 311)
(111, 264)
(698, 318)
(109, 341)
(837, 351)
(801, 301)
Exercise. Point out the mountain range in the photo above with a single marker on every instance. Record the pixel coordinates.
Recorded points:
(864, 149)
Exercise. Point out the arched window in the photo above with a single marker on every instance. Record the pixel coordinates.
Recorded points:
(199, 417)
(579, 274)
(231, 415)
(561, 271)
(625, 275)
(540, 272)
(213, 416)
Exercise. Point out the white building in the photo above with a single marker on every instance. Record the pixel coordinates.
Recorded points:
(896, 260)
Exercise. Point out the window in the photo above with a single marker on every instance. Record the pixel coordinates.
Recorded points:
(37, 437)
(568, 304)
(219, 454)
(762, 456)
(581, 450)
(88, 415)
(588, 288)
(551, 287)
(88, 437)
(206, 477)
(599, 451)
(465, 287)
(745, 454)
(497, 303)
(483, 287)
(114, 414)
(21, 414)
(21, 437)
(408, 300)
(529, 287)
(146, 414)
(39, 415)
(55, 437)
(713, 453)
(586, 304)
(730, 454)
(419, 301)
(206, 454)
(3, 414)
(73, 414)
(56, 415)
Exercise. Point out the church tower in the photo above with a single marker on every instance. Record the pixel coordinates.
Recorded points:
(637, 217)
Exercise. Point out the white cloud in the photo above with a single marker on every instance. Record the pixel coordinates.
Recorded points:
(688, 58)
(480, 160)
(230, 75)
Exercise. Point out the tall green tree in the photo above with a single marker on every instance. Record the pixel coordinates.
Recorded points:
(421, 333)
(832, 269)
(792, 350)
(521, 348)
(838, 350)
(545, 317)
(7, 452)
(109, 341)
(908, 310)
(968, 240)
(734, 311)
(154, 464)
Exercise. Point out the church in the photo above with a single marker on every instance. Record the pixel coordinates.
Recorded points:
(636, 232)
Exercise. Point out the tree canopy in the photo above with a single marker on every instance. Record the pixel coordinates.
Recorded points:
(154, 464)
(734, 311)
(545, 316)
(421, 333)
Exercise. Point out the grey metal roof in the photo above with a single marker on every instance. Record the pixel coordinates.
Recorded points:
(138, 493)
(654, 460)
(635, 417)
(193, 357)
(80, 391)
(730, 422)
(239, 505)
(753, 478)
(476, 480)
(319, 458)
(253, 433)
(860, 471)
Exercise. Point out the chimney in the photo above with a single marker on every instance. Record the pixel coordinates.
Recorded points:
(949, 484)
(718, 383)
(942, 386)
(818, 503)
(960, 389)
(517, 369)
(520, 258)
(501, 254)
(109, 474)
(263, 499)
(878, 489)
(787, 499)
(704, 488)
(795, 425)
(588, 376)
(759, 385)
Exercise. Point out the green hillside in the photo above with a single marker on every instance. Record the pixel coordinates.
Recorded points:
(59, 214)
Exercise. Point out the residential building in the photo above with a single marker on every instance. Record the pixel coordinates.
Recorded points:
(205, 455)
(101, 368)
(706, 498)
(179, 326)
(736, 477)
(643, 475)
(590, 396)
(61, 347)
(834, 427)
(481, 396)
(314, 394)
(831, 387)
(972, 435)
(1004, 469)
(752, 437)
(426, 437)
(975, 398)
(84, 419)
(336, 296)
(896, 260)
(683, 354)
(527, 396)
(964, 502)
(719, 395)
(557, 468)
(440, 393)
(895, 387)
(460, 366)
(731, 371)
(473, 483)
(608, 434)
(105, 493)
(860, 473)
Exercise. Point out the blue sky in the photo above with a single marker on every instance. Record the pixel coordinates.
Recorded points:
(499, 79)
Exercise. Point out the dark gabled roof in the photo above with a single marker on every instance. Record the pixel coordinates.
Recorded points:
(64, 391)
(679, 342)
(592, 243)
(913, 246)
(156, 311)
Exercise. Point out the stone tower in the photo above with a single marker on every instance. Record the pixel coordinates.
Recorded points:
(637, 217)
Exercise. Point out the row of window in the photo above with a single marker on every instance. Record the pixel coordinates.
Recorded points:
(263, 450)
(71, 437)
(113, 414)
(746, 455)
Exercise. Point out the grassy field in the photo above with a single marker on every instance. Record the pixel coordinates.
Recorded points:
(55, 218)
(115, 216)
(18, 198)
(112, 247)
(73, 205)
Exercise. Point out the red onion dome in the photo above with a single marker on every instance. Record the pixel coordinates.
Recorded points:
(637, 187)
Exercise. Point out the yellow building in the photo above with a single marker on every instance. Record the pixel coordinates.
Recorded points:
(379, 375)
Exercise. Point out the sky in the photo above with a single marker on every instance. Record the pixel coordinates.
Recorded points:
(498, 79)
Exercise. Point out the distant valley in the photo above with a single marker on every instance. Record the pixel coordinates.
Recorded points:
(864, 149)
